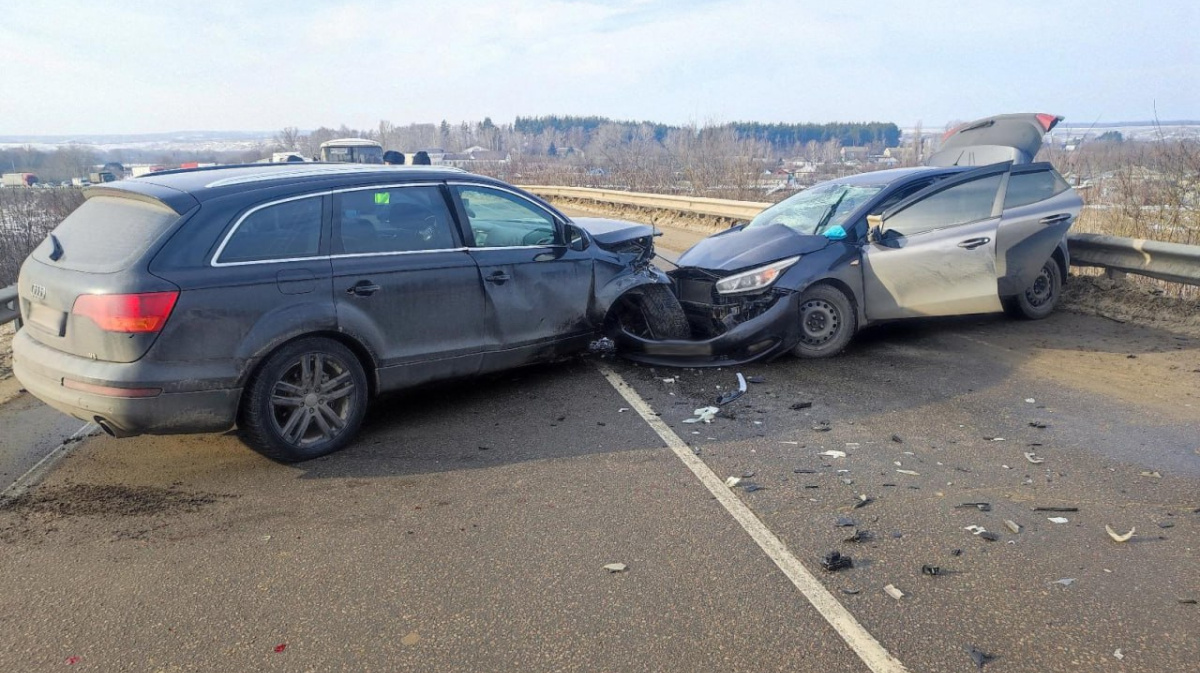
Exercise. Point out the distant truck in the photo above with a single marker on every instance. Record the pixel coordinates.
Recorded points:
(19, 179)
(139, 171)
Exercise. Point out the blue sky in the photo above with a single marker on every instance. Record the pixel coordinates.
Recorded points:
(129, 67)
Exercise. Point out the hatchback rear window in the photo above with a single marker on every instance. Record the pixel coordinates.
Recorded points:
(107, 233)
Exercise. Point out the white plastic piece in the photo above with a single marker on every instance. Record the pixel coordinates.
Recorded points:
(703, 415)
(733, 481)
(615, 567)
(910, 472)
(1012, 525)
(893, 592)
(1033, 458)
(833, 453)
(1118, 655)
(1117, 537)
(1057, 519)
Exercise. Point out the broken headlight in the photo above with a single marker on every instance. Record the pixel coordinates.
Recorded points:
(755, 280)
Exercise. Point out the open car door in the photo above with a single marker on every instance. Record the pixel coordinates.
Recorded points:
(1012, 137)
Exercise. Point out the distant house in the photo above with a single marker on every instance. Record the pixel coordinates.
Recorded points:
(854, 153)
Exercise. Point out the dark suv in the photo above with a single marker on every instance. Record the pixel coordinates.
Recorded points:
(281, 299)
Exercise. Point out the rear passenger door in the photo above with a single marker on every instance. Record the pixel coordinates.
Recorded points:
(538, 290)
(404, 283)
(1039, 207)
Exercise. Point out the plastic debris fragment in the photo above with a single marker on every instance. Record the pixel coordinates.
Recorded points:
(1056, 509)
(756, 379)
(1155, 474)
(834, 561)
(1030, 400)
(803, 470)
(1057, 519)
(858, 536)
(1012, 525)
(989, 536)
(615, 567)
(1119, 537)
(603, 346)
(801, 405)
(975, 529)
(751, 487)
(280, 647)
(994, 439)
(863, 501)
(733, 481)
(670, 380)
(892, 591)
(833, 453)
(897, 439)
(703, 415)
(910, 472)
(1066, 581)
(1041, 425)
(932, 571)
(823, 426)
(851, 592)
(846, 522)
(981, 506)
(726, 398)
(1033, 458)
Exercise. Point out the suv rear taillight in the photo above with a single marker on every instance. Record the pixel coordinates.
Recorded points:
(143, 313)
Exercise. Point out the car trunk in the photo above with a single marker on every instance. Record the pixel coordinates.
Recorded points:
(1012, 137)
(98, 251)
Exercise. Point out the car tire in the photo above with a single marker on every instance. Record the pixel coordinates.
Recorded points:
(653, 312)
(307, 399)
(1040, 298)
(827, 322)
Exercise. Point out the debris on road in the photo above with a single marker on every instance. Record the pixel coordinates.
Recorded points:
(670, 380)
(823, 426)
(1118, 537)
(1118, 655)
(975, 529)
(846, 522)
(1155, 474)
(989, 536)
(1065, 582)
(892, 591)
(932, 571)
(979, 656)
(1057, 519)
(834, 561)
(603, 346)
(1012, 525)
(1033, 458)
(703, 415)
(733, 481)
(1041, 425)
(756, 379)
(858, 536)
(751, 487)
(897, 439)
(852, 592)
(910, 472)
(1055, 509)
(833, 453)
(863, 501)
(993, 439)
(615, 567)
(280, 647)
(981, 506)
(1030, 400)
(803, 470)
(801, 405)
(726, 398)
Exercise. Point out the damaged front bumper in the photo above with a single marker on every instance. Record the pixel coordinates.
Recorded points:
(773, 329)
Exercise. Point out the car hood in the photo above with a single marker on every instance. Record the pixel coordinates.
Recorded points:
(609, 232)
(750, 247)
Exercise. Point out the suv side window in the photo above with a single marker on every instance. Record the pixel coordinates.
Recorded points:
(394, 219)
(285, 230)
(1027, 188)
(960, 204)
(500, 219)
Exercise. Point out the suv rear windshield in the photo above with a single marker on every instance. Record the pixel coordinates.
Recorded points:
(106, 234)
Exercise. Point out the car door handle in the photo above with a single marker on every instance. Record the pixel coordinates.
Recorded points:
(972, 243)
(498, 277)
(363, 288)
(1055, 219)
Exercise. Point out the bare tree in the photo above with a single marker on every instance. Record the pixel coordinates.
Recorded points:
(288, 138)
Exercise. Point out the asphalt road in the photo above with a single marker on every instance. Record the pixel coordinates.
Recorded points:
(468, 528)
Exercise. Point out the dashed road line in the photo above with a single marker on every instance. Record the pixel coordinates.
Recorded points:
(868, 649)
(39, 471)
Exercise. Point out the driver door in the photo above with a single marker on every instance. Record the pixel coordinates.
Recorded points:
(538, 290)
(937, 251)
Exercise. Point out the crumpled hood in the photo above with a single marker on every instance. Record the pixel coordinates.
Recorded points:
(608, 232)
(750, 247)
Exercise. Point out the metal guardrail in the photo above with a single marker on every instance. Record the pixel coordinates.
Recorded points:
(1172, 262)
(9, 310)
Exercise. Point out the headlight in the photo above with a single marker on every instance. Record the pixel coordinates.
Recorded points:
(755, 279)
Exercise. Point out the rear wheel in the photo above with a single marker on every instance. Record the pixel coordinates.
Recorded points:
(827, 322)
(652, 312)
(1040, 298)
(306, 400)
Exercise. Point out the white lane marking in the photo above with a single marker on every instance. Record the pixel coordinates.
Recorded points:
(39, 471)
(868, 649)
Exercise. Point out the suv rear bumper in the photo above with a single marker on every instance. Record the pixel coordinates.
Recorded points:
(42, 370)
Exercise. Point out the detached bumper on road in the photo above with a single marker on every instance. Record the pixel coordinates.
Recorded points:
(761, 338)
(43, 371)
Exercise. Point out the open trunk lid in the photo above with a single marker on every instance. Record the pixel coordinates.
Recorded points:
(98, 252)
(1011, 137)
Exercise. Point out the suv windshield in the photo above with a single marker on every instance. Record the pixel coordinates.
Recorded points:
(812, 211)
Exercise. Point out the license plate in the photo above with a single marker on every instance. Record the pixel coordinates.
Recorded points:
(48, 319)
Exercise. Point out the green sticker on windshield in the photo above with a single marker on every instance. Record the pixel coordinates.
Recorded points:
(383, 198)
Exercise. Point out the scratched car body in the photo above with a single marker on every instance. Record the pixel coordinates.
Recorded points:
(282, 299)
(980, 228)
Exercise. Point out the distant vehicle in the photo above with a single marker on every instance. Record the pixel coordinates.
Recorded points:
(19, 179)
(979, 228)
(283, 299)
(287, 157)
(351, 151)
(101, 177)
(139, 171)
(80, 182)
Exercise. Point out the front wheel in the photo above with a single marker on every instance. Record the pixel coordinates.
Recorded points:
(306, 400)
(1040, 298)
(827, 322)
(652, 312)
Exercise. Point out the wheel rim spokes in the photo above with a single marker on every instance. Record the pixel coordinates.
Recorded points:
(312, 400)
(819, 322)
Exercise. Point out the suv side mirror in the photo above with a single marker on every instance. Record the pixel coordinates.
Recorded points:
(576, 239)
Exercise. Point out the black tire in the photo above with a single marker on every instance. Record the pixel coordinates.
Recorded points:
(1040, 298)
(307, 399)
(652, 312)
(827, 322)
